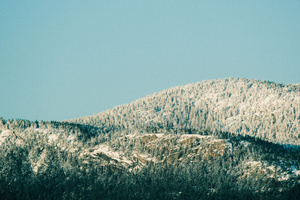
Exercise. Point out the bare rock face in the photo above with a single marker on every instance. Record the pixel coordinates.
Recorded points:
(148, 138)
(174, 157)
(189, 140)
(215, 149)
(104, 156)
(141, 159)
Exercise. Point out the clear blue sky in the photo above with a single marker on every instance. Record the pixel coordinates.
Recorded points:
(66, 59)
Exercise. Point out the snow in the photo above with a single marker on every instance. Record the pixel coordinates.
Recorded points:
(36, 165)
(130, 136)
(284, 177)
(6, 132)
(229, 145)
(19, 142)
(112, 154)
(274, 171)
(4, 135)
(71, 138)
(217, 140)
(156, 134)
(271, 167)
(187, 136)
(146, 157)
(52, 138)
(41, 130)
(245, 143)
(159, 135)
(253, 163)
(295, 171)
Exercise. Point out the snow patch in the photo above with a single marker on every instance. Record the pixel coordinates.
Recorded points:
(254, 163)
(71, 138)
(295, 171)
(36, 165)
(245, 143)
(185, 136)
(156, 134)
(4, 135)
(52, 138)
(217, 140)
(110, 153)
(41, 130)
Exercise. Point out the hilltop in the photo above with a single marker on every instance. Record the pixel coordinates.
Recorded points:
(260, 109)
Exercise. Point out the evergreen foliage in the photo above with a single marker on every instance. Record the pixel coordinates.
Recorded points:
(224, 139)
(260, 109)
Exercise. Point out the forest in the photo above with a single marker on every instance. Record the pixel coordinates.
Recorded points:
(219, 139)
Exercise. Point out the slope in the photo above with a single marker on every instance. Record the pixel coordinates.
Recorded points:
(260, 109)
(55, 160)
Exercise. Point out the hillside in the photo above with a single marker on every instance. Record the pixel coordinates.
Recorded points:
(260, 109)
(219, 139)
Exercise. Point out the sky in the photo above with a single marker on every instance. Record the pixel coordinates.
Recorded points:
(67, 59)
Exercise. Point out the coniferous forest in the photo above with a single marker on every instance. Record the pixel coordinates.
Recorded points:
(219, 139)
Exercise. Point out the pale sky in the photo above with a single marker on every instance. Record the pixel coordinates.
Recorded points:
(66, 59)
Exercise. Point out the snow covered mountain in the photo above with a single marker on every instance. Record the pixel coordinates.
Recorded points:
(228, 138)
(260, 109)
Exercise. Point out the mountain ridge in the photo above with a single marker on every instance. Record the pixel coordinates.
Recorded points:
(218, 139)
(249, 101)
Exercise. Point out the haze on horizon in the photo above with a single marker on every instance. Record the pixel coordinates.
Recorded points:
(63, 60)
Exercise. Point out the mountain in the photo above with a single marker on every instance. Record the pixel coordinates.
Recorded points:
(259, 109)
(217, 139)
